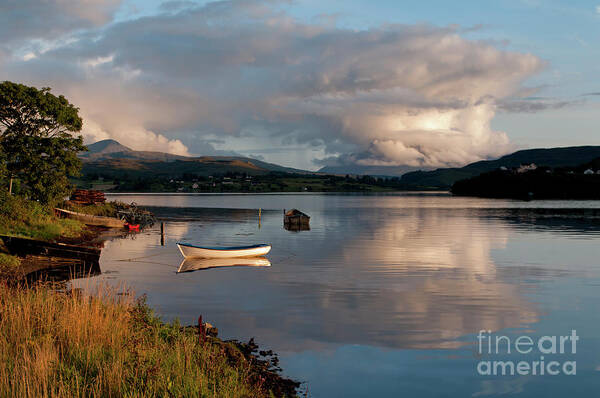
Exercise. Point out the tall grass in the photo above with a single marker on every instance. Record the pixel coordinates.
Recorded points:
(55, 344)
(30, 219)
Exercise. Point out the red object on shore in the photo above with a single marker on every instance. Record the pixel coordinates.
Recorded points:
(133, 227)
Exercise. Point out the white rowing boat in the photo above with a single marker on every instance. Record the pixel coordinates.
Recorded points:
(195, 264)
(223, 252)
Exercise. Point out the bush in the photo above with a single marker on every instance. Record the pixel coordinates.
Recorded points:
(29, 219)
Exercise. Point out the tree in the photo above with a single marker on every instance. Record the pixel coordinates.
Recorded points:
(36, 140)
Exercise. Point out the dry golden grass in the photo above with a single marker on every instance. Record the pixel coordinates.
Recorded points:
(56, 344)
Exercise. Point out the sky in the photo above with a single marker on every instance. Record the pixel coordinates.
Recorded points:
(308, 83)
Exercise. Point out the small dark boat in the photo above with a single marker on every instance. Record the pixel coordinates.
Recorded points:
(295, 217)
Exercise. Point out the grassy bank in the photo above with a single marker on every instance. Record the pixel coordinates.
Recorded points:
(62, 345)
(29, 219)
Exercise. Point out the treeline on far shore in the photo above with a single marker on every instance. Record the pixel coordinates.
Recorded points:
(238, 182)
(582, 182)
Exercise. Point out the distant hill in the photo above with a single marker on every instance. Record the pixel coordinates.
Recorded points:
(389, 171)
(110, 158)
(551, 157)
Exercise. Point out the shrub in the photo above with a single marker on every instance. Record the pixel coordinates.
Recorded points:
(30, 219)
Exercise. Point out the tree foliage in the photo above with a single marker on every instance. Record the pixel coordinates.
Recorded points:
(36, 142)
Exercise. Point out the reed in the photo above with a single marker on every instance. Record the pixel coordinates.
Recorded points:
(64, 344)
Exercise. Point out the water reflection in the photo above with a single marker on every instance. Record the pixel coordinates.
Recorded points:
(404, 279)
(374, 276)
(55, 269)
(196, 264)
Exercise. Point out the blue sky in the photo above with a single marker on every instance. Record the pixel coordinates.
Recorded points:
(517, 76)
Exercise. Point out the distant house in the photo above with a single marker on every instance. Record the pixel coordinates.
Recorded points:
(526, 167)
(195, 186)
(588, 171)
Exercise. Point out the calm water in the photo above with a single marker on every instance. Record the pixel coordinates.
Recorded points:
(385, 295)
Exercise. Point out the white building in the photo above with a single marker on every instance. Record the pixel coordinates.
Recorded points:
(526, 167)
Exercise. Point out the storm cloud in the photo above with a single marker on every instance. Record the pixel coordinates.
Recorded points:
(412, 95)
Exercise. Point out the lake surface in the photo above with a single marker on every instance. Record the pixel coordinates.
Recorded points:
(385, 295)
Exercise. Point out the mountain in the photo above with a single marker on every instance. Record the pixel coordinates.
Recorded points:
(111, 149)
(105, 147)
(110, 158)
(551, 157)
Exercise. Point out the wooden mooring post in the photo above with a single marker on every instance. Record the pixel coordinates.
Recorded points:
(201, 330)
(162, 233)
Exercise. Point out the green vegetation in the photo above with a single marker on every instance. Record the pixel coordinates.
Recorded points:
(29, 219)
(64, 345)
(240, 182)
(9, 265)
(36, 145)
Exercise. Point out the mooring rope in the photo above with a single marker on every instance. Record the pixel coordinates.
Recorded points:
(139, 258)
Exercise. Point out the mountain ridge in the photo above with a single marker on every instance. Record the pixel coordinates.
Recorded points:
(109, 156)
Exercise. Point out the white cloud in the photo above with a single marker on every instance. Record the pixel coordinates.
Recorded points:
(29, 56)
(393, 95)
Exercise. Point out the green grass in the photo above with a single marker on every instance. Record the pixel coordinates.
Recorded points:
(29, 219)
(9, 266)
(8, 261)
(57, 344)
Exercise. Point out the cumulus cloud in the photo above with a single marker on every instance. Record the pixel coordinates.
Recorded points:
(414, 95)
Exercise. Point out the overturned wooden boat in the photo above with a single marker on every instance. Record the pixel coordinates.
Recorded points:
(88, 219)
(189, 250)
(195, 264)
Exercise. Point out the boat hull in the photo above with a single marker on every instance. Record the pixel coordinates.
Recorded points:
(88, 219)
(190, 251)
